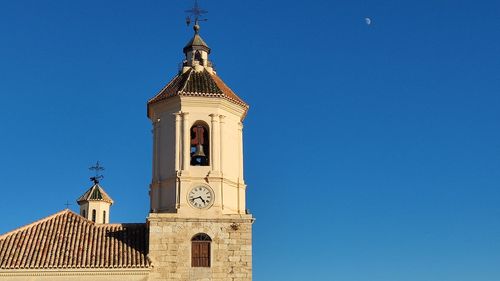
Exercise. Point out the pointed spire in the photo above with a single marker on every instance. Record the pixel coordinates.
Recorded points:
(95, 193)
(196, 50)
(196, 43)
(197, 53)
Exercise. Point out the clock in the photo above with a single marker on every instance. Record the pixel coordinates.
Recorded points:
(201, 197)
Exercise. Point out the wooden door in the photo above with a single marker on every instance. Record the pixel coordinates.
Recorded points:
(200, 254)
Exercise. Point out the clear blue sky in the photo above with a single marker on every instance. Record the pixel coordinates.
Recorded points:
(372, 153)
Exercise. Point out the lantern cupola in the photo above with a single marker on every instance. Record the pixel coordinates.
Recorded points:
(196, 53)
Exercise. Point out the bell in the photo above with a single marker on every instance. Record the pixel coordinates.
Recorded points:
(199, 151)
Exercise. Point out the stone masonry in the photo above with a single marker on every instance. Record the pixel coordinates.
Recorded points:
(170, 248)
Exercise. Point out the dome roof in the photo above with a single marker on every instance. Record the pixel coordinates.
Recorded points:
(197, 84)
(196, 43)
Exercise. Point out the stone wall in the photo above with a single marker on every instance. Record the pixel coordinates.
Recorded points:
(170, 248)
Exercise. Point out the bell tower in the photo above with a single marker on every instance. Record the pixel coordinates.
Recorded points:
(200, 228)
(197, 140)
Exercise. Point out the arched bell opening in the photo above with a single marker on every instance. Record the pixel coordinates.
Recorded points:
(200, 146)
(198, 57)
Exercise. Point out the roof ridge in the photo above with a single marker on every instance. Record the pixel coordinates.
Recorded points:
(164, 88)
(234, 97)
(201, 83)
(42, 220)
(187, 81)
(198, 41)
(66, 240)
(105, 194)
(215, 83)
(96, 193)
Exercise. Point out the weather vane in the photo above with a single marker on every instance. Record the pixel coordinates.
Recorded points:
(195, 14)
(97, 168)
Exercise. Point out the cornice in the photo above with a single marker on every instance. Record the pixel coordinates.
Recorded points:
(74, 272)
(166, 217)
(195, 179)
(216, 102)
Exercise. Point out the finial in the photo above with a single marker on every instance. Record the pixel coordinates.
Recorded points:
(194, 15)
(97, 168)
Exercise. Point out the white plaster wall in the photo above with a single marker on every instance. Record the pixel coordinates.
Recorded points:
(166, 148)
(99, 206)
(171, 182)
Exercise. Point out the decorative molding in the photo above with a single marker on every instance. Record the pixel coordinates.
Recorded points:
(230, 219)
(218, 102)
(73, 272)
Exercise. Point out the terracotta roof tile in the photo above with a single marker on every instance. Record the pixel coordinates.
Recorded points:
(199, 84)
(67, 240)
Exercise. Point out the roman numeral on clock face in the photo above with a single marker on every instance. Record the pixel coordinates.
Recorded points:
(200, 197)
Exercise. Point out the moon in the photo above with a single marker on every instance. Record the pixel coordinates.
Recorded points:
(368, 21)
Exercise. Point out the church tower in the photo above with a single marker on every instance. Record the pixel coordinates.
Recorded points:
(95, 204)
(200, 228)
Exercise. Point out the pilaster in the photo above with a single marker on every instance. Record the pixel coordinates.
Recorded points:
(178, 116)
(216, 145)
(186, 143)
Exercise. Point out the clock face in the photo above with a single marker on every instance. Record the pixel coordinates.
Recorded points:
(201, 197)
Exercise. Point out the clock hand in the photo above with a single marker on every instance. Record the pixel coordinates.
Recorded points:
(199, 198)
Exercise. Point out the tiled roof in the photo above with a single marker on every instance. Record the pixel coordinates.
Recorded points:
(199, 84)
(66, 240)
(95, 193)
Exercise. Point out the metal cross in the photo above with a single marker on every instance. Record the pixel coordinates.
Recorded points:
(67, 205)
(196, 12)
(97, 168)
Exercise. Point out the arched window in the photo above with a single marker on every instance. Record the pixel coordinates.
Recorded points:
(93, 215)
(200, 146)
(103, 216)
(200, 250)
(197, 56)
(84, 214)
